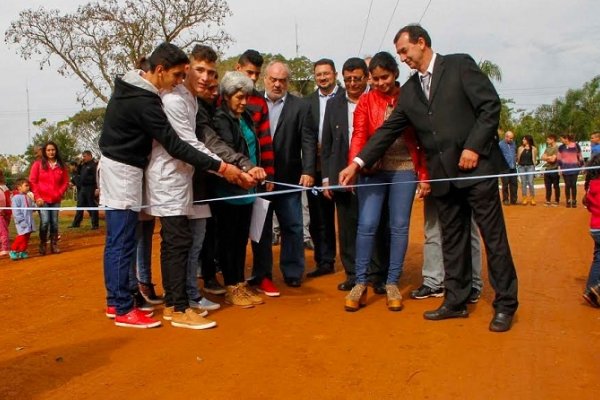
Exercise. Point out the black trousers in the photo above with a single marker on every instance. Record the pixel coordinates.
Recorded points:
(176, 240)
(232, 233)
(346, 204)
(570, 187)
(551, 180)
(262, 264)
(510, 184)
(454, 209)
(86, 198)
(322, 226)
(209, 250)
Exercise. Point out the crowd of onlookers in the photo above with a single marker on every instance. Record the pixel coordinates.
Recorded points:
(176, 138)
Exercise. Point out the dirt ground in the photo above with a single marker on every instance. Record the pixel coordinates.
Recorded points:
(56, 342)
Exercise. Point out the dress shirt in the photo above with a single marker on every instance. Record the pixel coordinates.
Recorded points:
(275, 108)
(322, 104)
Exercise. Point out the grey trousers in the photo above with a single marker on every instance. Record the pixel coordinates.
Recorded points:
(433, 260)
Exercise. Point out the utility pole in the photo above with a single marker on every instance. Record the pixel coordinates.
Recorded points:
(297, 46)
(28, 115)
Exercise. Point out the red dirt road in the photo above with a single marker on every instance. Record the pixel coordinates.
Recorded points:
(57, 344)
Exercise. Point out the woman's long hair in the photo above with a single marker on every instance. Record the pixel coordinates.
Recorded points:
(59, 160)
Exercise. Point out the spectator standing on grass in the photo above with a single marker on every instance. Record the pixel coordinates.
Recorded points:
(509, 183)
(24, 223)
(87, 189)
(569, 160)
(591, 200)
(595, 140)
(49, 179)
(4, 215)
(526, 160)
(551, 177)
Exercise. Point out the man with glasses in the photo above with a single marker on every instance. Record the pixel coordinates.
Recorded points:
(294, 147)
(337, 131)
(321, 208)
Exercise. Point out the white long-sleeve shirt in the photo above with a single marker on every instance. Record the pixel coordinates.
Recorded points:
(168, 180)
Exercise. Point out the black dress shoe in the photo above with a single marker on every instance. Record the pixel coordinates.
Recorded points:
(501, 322)
(379, 287)
(320, 271)
(444, 312)
(347, 285)
(292, 282)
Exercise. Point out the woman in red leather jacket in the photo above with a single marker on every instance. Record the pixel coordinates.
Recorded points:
(395, 175)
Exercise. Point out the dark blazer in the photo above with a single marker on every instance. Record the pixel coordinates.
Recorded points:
(294, 143)
(314, 112)
(462, 113)
(335, 143)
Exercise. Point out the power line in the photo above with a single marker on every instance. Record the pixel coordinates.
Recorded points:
(388, 25)
(365, 31)
(424, 12)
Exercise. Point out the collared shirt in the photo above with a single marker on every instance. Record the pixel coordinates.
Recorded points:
(351, 107)
(430, 67)
(275, 108)
(323, 98)
(509, 151)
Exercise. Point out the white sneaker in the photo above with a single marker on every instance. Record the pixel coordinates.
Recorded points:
(204, 304)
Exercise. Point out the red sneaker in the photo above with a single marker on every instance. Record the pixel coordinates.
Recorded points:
(267, 287)
(136, 319)
(111, 312)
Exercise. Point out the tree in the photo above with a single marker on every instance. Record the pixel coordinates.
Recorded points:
(105, 38)
(492, 70)
(85, 127)
(58, 133)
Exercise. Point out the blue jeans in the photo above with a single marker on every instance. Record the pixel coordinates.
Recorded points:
(119, 251)
(401, 194)
(49, 219)
(143, 237)
(288, 208)
(594, 276)
(527, 180)
(198, 228)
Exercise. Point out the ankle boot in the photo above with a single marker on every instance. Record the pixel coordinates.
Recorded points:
(356, 298)
(54, 244)
(394, 298)
(43, 239)
(525, 200)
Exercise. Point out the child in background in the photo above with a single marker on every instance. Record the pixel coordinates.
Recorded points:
(4, 215)
(592, 202)
(23, 215)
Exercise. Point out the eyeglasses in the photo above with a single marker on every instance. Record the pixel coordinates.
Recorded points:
(353, 79)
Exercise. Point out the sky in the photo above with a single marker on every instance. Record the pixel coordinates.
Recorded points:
(543, 47)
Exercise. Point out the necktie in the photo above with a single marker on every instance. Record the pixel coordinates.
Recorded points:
(426, 83)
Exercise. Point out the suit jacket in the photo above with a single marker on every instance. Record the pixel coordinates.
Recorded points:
(294, 142)
(462, 112)
(314, 113)
(335, 142)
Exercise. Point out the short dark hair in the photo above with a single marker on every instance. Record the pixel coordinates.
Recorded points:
(355, 63)
(415, 31)
(324, 61)
(21, 181)
(551, 136)
(168, 55)
(87, 153)
(201, 52)
(384, 60)
(253, 57)
(569, 136)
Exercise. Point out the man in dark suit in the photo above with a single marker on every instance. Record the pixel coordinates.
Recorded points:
(87, 189)
(335, 144)
(322, 209)
(455, 111)
(294, 147)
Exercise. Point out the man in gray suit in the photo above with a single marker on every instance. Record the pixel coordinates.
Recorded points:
(455, 111)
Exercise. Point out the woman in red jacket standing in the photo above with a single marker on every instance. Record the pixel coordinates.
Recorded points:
(49, 179)
(395, 175)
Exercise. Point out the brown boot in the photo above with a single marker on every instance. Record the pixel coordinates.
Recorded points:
(43, 240)
(54, 244)
(356, 298)
(394, 298)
